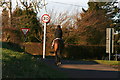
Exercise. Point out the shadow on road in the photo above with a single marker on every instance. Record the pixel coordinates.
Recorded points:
(83, 69)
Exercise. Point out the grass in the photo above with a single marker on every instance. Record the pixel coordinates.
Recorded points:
(19, 65)
(107, 62)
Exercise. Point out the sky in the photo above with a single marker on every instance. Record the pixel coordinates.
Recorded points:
(58, 6)
(67, 5)
(62, 5)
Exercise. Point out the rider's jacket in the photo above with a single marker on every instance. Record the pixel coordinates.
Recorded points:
(58, 33)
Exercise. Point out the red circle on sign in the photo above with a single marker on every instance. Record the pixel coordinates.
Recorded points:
(45, 18)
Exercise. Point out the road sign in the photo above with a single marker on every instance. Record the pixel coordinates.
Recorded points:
(45, 18)
(25, 30)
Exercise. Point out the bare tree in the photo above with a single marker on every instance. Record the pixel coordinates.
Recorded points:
(37, 5)
(7, 5)
(66, 20)
(63, 18)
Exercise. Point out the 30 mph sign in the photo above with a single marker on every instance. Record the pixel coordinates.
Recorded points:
(45, 18)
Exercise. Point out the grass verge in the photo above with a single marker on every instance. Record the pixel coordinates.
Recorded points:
(20, 65)
(114, 64)
(107, 62)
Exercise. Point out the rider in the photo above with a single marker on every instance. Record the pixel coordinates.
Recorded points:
(57, 34)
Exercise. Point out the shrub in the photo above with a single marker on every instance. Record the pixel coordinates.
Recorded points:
(87, 52)
(84, 52)
(11, 34)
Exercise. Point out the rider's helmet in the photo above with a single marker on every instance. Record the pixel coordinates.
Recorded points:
(58, 26)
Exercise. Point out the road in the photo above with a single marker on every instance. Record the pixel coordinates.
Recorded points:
(84, 69)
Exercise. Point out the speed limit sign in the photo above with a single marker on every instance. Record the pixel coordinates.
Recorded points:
(45, 18)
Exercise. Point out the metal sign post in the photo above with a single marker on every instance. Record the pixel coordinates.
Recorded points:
(44, 40)
(109, 41)
(25, 31)
(45, 20)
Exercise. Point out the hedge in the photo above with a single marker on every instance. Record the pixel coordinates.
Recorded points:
(72, 51)
(88, 51)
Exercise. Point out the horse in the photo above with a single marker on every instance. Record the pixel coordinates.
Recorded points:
(58, 49)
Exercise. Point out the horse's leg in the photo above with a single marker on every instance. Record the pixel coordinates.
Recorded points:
(56, 57)
(60, 50)
(58, 62)
(59, 56)
(56, 52)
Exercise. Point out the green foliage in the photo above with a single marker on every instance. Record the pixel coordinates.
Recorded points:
(20, 65)
(97, 37)
(17, 12)
(28, 19)
(95, 5)
(110, 9)
(5, 18)
(93, 23)
(34, 48)
(12, 46)
(72, 39)
(84, 52)
(108, 62)
(11, 34)
(96, 52)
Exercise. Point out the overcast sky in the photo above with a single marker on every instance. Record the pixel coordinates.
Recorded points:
(63, 5)
(67, 5)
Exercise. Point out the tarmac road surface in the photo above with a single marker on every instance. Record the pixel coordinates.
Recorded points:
(84, 69)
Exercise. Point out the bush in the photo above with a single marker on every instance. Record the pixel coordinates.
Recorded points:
(10, 34)
(88, 52)
(71, 51)
(12, 46)
(84, 52)
(33, 48)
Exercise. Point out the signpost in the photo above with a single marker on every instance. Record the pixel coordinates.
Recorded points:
(109, 41)
(45, 19)
(25, 31)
